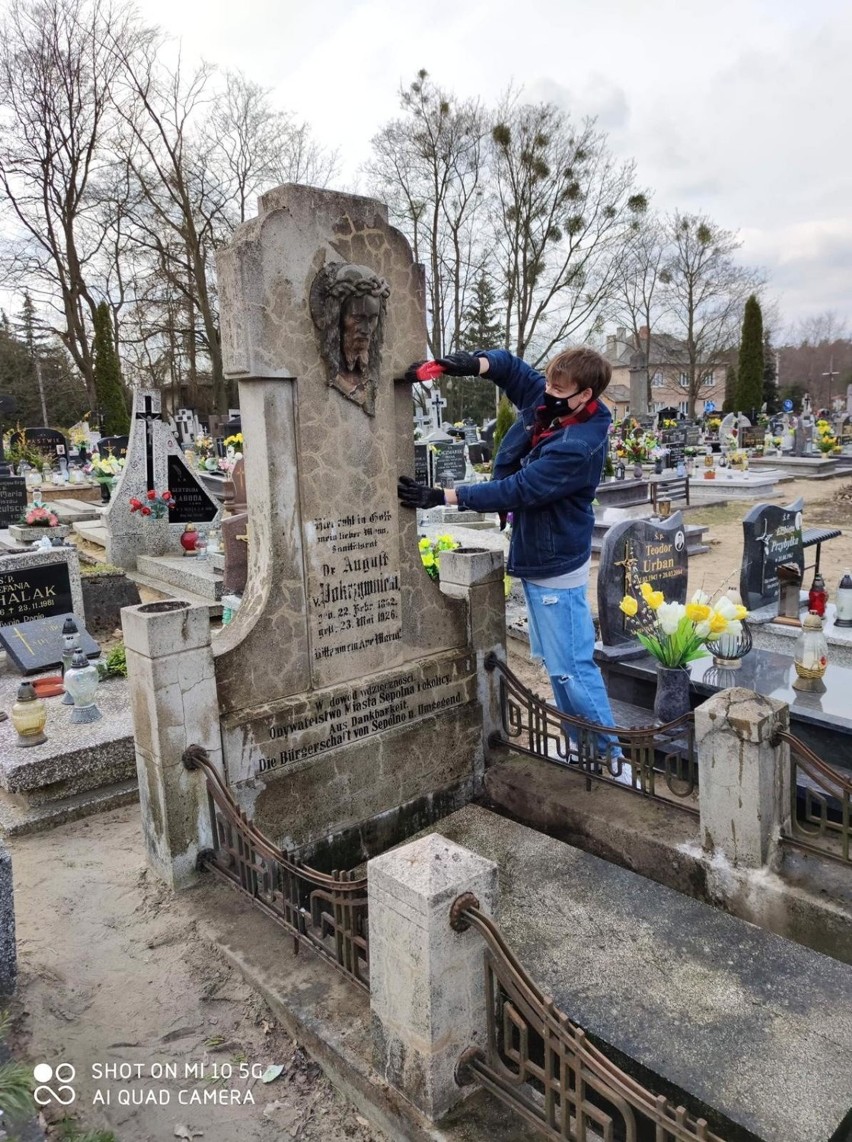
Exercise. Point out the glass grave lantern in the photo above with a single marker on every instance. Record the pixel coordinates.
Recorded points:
(29, 714)
(843, 601)
(69, 644)
(811, 655)
(81, 682)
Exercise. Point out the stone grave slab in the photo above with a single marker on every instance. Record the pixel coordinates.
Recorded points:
(421, 463)
(113, 446)
(154, 462)
(772, 535)
(634, 552)
(40, 584)
(37, 645)
(13, 499)
(47, 440)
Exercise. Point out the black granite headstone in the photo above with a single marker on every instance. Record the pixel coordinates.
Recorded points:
(421, 463)
(448, 464)
(35, 592)
(193, 504)
(113, 445)
(13, 499)
(752, 437)
(471, 434)
(772, 535)
(37, 645)
(636, 552)
(46, 440)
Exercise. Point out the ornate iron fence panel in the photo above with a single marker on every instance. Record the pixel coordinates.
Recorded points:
(542, 1065)
(327, 912)
(820, 801)
(659, 762)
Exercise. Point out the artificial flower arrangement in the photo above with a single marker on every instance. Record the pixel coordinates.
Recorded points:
(202, 446)
(430, 553)
(235, 441)
(826, 441)
(39, 516)
(636, 447)
(105, 467)
(155, 504)
(677, 633)
(714, 424)
(668, 423)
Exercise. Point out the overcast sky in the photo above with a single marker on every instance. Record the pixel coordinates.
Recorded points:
(738, 108)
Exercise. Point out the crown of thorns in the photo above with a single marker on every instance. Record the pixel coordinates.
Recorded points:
(372, 286)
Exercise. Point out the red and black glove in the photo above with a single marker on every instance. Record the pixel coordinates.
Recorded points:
(414, 495)
(460, 364)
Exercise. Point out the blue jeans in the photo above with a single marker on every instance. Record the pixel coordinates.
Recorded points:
(562, 633)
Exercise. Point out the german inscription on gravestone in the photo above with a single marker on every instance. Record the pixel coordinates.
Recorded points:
(354, 594)
(192, 503)
(37, 645)
(34, 593)
(635, 552)
(772, 535)
(317, 723)
(13, 499)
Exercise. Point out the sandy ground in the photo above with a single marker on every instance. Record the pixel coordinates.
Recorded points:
(113, 970)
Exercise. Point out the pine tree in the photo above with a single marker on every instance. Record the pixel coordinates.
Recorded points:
(749, 391)
(115, 420)
(505, 420)
(475, 397)
(730, 390)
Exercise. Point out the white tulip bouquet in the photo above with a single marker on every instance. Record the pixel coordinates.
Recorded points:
(677, 633)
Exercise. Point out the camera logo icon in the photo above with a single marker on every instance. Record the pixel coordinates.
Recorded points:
(63, 1074)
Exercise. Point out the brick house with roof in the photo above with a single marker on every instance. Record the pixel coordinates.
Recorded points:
(668, 369)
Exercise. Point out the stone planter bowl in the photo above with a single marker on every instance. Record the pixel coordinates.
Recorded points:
(25, 534)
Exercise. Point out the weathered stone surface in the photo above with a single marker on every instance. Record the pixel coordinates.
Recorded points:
(718, 1008)
(427, 987)
(8, 949)
(104, 595)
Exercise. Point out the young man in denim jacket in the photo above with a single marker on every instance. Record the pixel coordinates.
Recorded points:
(546, 474)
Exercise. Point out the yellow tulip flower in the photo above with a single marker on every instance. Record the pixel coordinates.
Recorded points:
(628, 605)
(697, 612)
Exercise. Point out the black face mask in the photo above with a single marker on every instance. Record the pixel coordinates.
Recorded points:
(557, 406)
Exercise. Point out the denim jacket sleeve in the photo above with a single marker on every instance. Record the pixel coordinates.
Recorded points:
(557, 473)
(522, 384)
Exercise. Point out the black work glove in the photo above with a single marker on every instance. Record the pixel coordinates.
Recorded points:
(460, 365)
(414, 495)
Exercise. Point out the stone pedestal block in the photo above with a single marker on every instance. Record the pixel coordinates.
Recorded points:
(427, 982)
(8, 954)
(173, 687)
(744, 798)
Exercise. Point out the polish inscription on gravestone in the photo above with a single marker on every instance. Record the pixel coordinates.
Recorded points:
(421, 463)
(772, 535)
(192, 503)
(635, 552)
(37, 645)
(48, 441)
(34, 592)
(13, 499)
(448, 465)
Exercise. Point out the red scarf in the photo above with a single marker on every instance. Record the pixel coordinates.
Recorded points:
(541, 429)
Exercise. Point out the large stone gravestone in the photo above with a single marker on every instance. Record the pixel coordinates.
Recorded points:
(40, 584)
(113, 446)
(772, 535)
(13, 499)
(635, 552)
(154, 462)
(37, 645)
(349, 685)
